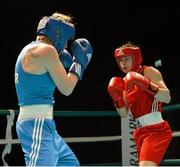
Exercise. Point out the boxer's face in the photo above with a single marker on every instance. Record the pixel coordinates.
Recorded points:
(126, 63)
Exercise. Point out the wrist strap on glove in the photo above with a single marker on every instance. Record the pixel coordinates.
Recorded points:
(153, 89)
(76, 69)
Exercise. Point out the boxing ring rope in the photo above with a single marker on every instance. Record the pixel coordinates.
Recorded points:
(10, 114)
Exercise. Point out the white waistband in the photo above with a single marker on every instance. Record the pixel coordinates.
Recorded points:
(36, 111)
(150, 119)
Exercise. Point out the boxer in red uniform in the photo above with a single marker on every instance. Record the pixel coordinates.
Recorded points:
(142, 91)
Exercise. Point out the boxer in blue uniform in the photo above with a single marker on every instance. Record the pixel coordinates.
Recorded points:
(40, 68)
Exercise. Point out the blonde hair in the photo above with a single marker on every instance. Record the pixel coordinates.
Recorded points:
(63, 17)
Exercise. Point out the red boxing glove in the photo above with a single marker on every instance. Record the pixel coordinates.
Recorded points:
(116, 87)
(134, 79)
(132, 94)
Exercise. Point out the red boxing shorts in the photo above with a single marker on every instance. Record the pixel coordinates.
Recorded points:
(152, 141)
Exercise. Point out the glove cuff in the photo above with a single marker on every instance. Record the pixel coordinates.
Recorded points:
(77, 69)
(119, 104)
(153, 89)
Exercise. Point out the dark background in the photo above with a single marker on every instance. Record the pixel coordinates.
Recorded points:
(106, 24)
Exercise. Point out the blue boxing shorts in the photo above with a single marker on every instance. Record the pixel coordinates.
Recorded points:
(42, 145)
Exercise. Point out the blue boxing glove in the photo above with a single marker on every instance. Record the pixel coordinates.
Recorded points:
(66, 58)
(82, 52)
